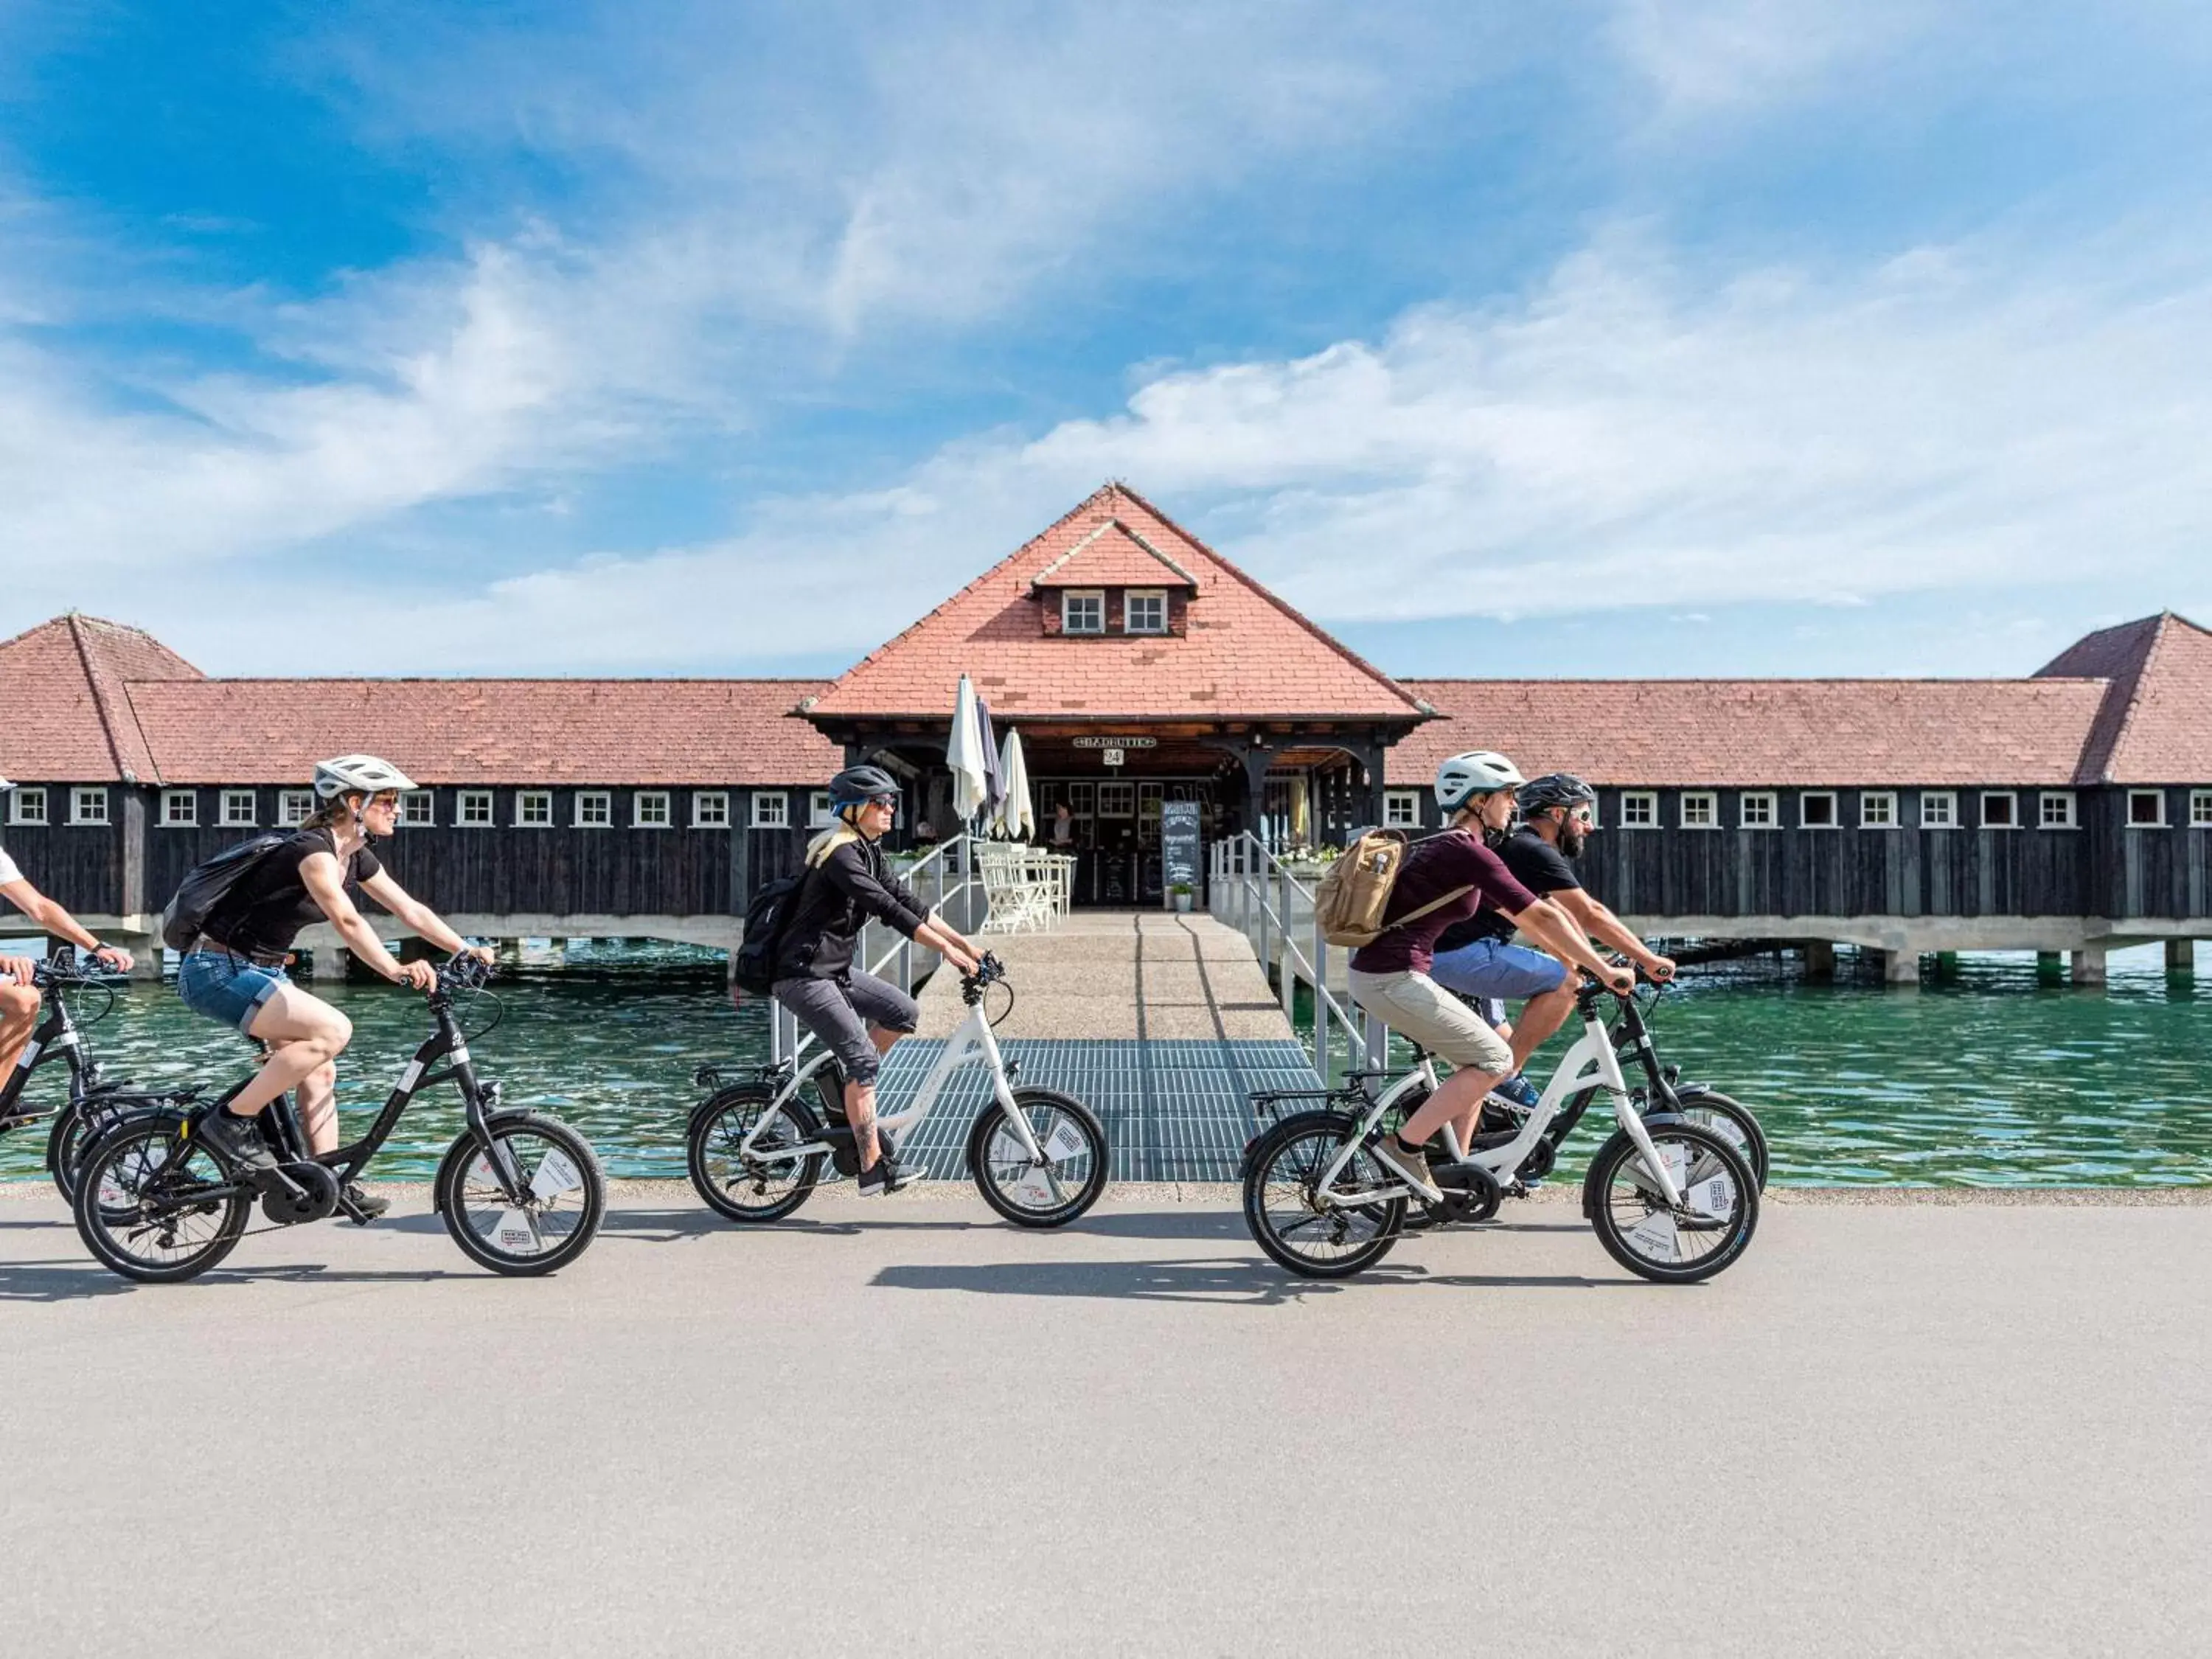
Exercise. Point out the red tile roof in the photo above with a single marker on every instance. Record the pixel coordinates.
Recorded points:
(613, 732)
(68, 720)
(1247, 653)
(1750, 733)
(2155, 725)
(1113, 556)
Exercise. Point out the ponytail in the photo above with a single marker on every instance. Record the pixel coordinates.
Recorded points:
(840, 834)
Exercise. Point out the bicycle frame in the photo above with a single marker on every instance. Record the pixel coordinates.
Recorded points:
(56, 1037)
(1591, 1059)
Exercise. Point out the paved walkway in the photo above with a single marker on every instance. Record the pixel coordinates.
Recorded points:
(907, 1428)
(1163, 1024)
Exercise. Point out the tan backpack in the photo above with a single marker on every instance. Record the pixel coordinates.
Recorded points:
(1353, 897)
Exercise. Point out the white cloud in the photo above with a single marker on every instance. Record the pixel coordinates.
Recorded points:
(1708, 57)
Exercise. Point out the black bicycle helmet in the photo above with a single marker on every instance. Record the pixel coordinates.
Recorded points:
(858, 783)
(1554, 789)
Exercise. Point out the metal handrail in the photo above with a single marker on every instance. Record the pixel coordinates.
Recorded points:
(1245, 869)
(788, 1040)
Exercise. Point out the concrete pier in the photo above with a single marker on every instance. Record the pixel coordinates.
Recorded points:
(2181, 957)
(2088, 967)
(1819, 960)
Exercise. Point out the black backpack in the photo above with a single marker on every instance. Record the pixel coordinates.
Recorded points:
(206, 885)
(768, 917)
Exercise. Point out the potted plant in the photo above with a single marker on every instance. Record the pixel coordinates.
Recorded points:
(1181, 892)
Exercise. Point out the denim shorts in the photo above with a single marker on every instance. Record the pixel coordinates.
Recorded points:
(227, 987)
(1490, 968)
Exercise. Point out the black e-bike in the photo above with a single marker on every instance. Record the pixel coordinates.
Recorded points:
(521, 1194)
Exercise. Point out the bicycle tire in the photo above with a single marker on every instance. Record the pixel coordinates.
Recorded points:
(719, 1124)
(66, 1143)
(481, 1241)
(1744, 1126)
(1641, 1243)
(111, 1195)
(1325, 1132)
(1069, 1112)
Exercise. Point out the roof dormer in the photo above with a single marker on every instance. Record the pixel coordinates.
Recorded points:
(1114, 581)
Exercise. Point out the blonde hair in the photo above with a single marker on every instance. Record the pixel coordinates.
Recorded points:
(838, 834)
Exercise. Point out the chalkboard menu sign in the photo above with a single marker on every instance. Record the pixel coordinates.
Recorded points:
(1179, 844)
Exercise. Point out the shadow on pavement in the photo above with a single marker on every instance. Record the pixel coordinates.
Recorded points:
(1216, 1283)
(58, 1281)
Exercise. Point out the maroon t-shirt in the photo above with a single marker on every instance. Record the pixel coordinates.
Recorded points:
(1455, 859)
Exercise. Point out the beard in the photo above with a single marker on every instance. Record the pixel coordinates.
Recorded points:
(1573, 839)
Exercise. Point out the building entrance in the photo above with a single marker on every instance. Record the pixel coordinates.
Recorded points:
(1113, 828)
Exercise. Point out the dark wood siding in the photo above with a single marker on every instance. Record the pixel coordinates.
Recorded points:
(79, 865)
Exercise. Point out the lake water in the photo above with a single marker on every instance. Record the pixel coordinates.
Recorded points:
(1987, 1078)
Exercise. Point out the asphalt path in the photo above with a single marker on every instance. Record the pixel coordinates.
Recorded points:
(903, 1426)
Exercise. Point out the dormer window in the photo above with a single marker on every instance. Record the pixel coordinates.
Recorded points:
(1144, 610)
(1083, 610)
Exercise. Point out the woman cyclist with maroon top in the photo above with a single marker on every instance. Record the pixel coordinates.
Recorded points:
(1391, 977)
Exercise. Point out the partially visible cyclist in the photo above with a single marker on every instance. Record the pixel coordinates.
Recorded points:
(856, 1016)
(1444, 880)
(234, 971)
(19, 997)
(1477, 957)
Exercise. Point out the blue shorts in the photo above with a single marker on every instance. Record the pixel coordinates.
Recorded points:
(1493, 969)
(227, 987)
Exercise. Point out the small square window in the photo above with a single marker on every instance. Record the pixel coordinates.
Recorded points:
(29, 806)
(419, 808)
(180, 808)
(1117, 800)
(474, 809)
(710, 809)
(1700, 810)
(1756, 812)
(1402, 809)
(2200, 809)
(1939, 810)
(533, 809)
(1816, 809)
(1144, 612)
(238, 809)
(821, 811)
(1083, 613)
(2000, 810)
(595, 809)
(771, 810)
(649, 809)
(88, 806)
(1878, 810)
(2056, 810)
(2146, 809)
(1639, 810)
(295, 807)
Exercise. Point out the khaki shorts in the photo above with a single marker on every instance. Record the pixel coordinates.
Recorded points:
(1418, 1008)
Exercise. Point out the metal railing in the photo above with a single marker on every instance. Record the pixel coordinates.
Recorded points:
(1251, 889)
(948, 879)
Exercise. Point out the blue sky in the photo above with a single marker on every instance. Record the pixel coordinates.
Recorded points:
(1756, 337)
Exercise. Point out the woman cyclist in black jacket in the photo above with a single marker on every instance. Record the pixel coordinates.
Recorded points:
(857, 1015)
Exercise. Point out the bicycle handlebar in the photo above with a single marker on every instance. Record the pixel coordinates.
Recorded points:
(52, 972)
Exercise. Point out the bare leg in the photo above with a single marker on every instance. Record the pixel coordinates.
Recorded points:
(317, 1098)
(1459, 1097)
(861, 1102)
(1540, 1017)
(304, 1034)
(19, 1018)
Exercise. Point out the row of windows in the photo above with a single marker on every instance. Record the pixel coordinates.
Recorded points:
(1144, 611)
(1819, 809)
(532, 809)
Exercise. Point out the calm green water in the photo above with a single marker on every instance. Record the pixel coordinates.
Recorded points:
(1988, 1079)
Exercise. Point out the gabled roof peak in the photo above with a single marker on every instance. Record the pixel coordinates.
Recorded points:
(1113, 553)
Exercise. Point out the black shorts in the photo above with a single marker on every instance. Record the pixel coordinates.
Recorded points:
(839, 1011)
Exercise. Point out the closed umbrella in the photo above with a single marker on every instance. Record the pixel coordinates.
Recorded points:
(1017, 819)
(994, 782)
(963, 753)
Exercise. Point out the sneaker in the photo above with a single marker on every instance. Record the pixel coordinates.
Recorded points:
(238, 1139)
(883, 1176)
(361, 1205)
(1519, 1092)
(1409, 1166)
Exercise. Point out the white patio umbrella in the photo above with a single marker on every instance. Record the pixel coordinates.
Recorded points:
(963, 753)
(1015, 818)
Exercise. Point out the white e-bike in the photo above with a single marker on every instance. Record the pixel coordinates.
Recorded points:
(755, 1147)
(1670, 1199)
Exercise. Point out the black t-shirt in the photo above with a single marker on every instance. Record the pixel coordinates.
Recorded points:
(1537, 864)
(265, 913)
(835, 902)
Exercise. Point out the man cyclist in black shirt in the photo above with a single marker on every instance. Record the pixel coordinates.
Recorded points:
(1476, 958)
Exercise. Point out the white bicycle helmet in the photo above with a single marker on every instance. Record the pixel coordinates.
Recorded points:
(358, 774)
(1478, 772)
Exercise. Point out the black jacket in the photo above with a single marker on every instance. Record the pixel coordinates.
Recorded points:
(835, 900)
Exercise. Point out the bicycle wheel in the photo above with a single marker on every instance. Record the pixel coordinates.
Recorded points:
(65, 1147)
(150, 1204)
(1679, 1246)
(760, 1185)
(1282, 1207)
(1073, 1176)
(565, 1199)
(1733, 1122)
